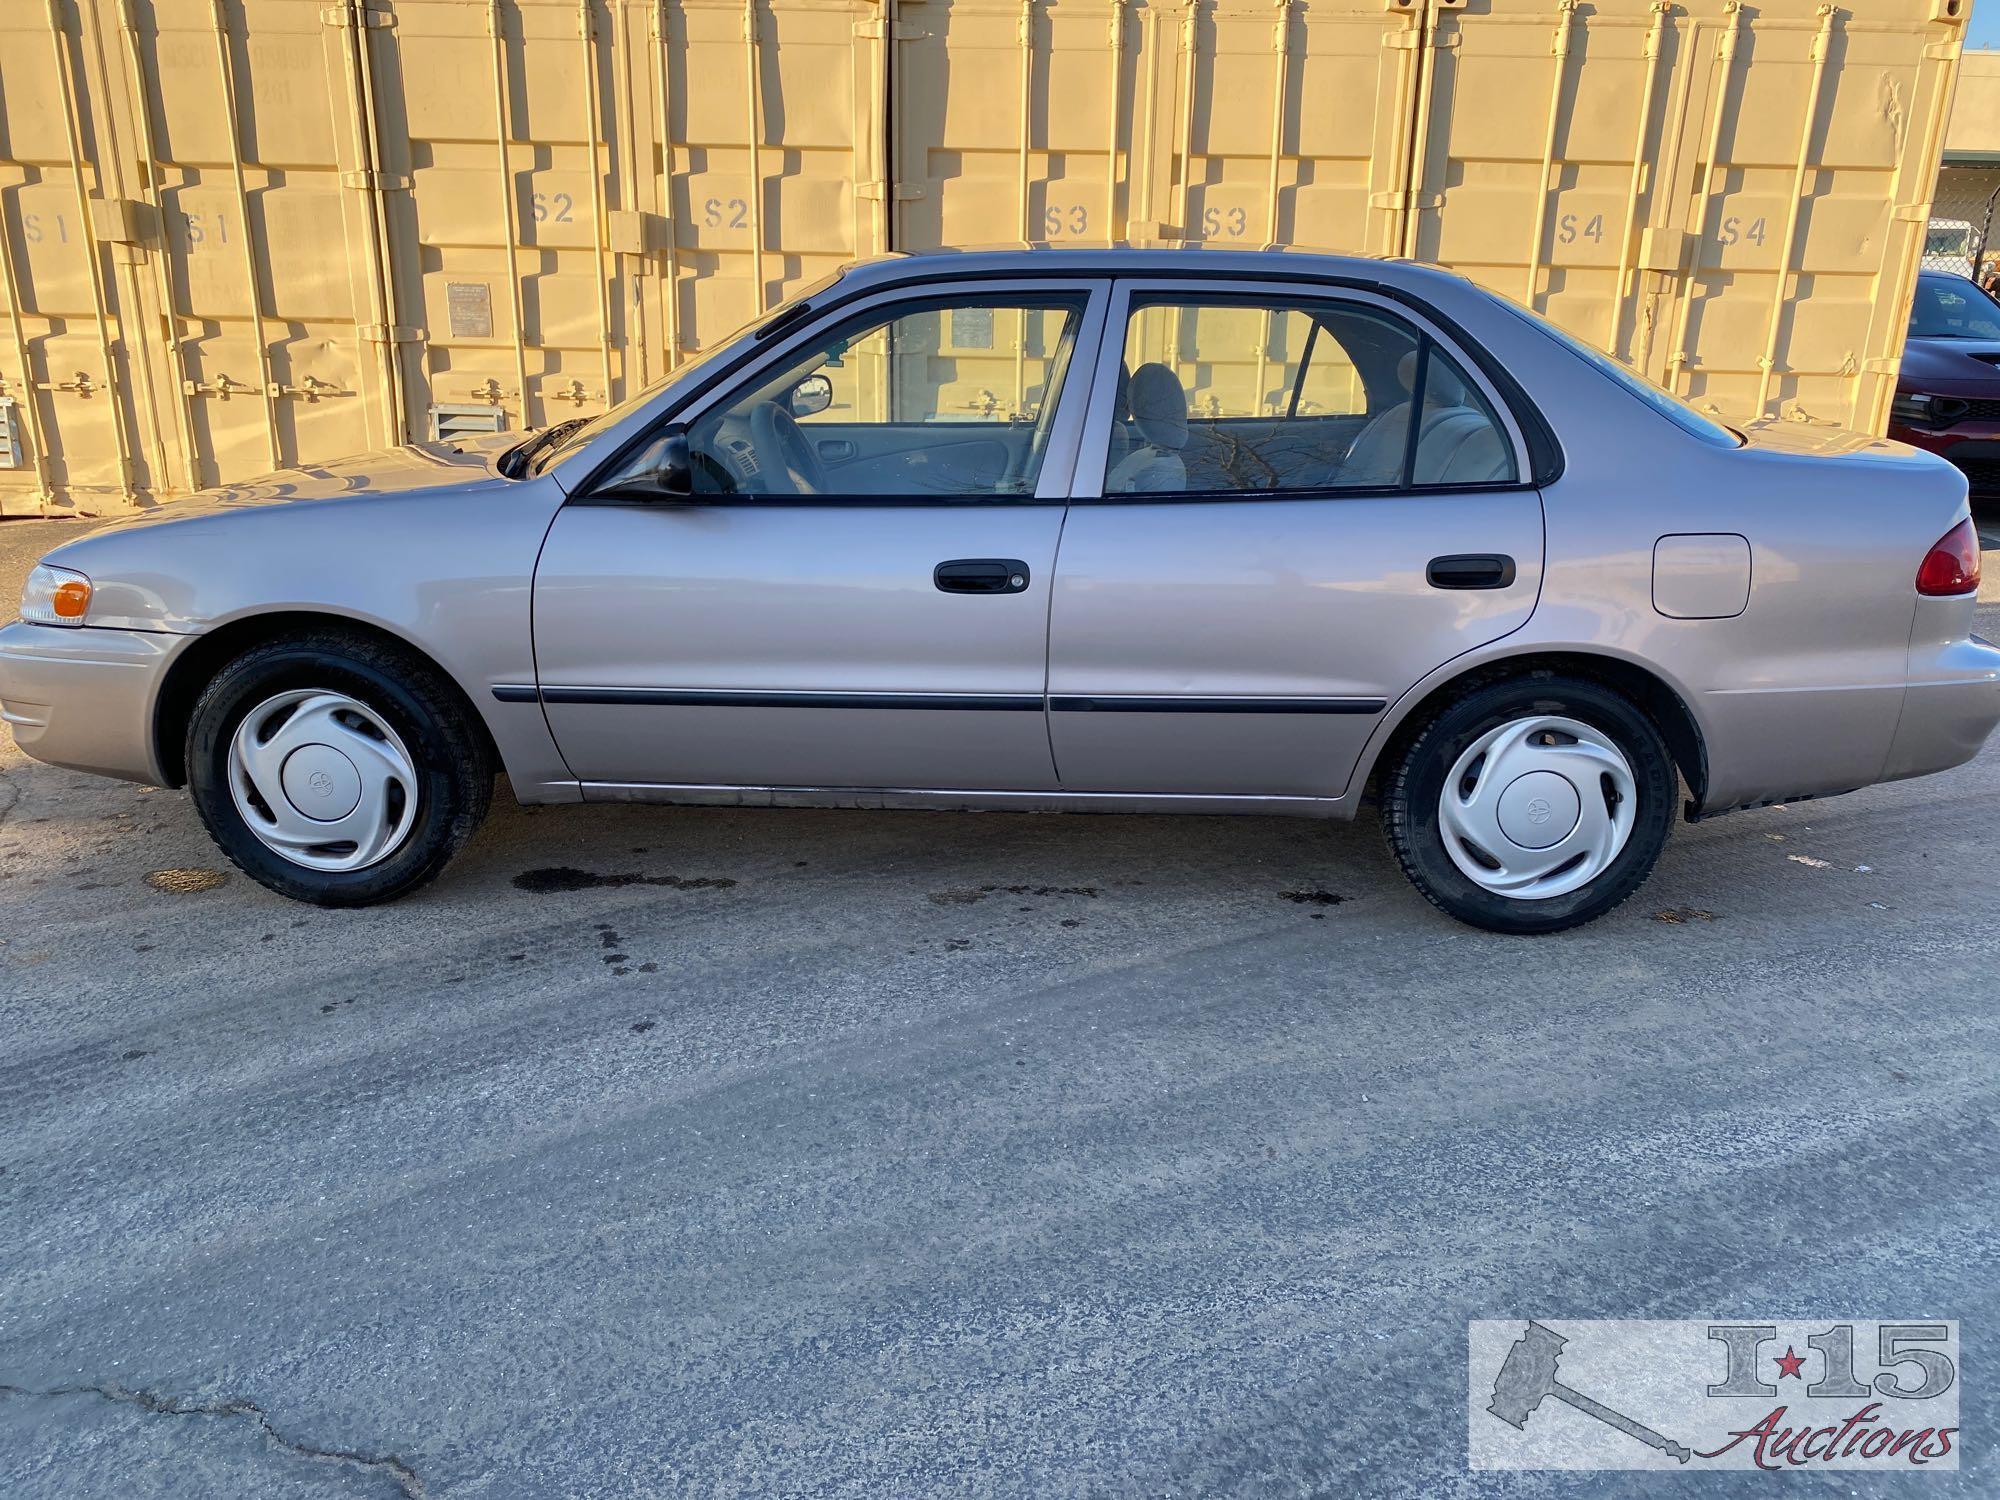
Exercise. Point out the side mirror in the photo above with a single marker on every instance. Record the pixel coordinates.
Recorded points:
(664, 474)
(811, 395)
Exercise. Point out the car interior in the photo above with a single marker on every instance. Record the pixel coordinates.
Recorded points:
(1157, 447)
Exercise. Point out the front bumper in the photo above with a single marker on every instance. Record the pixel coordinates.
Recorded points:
(84, 698)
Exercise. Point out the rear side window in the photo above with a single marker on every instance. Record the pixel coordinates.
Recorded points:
(1234, 396)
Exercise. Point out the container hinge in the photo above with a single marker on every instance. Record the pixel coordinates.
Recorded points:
(1950, 12)
(899, 31)
(632, 231)
(1883, 364)
(391, 333)
(373, 181)
(122, 221)
(1662, 249)
(1404, 200)
(357, 15)
(1911, 213)
(1402, 41)
(902, 192)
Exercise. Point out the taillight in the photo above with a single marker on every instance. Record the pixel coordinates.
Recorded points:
(1952, 566)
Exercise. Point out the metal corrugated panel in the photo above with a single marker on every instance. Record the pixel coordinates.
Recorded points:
(268, 232)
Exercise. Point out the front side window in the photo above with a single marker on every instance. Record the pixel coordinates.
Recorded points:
(1231, 396)
(949, 398)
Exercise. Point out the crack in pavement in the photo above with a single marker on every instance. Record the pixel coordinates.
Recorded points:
(156, 1404)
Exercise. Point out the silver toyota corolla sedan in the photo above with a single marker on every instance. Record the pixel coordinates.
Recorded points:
(1150, 530)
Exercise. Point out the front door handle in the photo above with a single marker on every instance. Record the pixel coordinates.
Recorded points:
(981, 575)
(1470, 570)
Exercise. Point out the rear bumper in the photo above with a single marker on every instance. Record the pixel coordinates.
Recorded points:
(1951, 706)
(84, 699)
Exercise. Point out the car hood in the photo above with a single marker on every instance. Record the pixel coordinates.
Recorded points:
(1952, 367)
(397, 471)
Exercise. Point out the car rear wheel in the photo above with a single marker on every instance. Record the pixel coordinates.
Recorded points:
(1531, 805)
(336, 769)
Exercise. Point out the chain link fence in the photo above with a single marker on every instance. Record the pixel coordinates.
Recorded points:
(1964, 232)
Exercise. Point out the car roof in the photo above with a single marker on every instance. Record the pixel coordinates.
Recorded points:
(1127, 259)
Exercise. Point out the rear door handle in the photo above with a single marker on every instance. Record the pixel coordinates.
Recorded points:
(1471, 570)
(981, 575)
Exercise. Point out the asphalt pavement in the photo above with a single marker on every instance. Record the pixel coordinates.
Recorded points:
(756, 1153)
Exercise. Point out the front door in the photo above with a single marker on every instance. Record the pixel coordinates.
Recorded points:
(858, 593)
(1306, 504)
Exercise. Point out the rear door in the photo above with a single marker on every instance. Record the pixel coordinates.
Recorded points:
(858, 593)
(1299, 505)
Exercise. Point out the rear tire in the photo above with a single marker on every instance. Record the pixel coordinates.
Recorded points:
(1560, 743)
(393, 739)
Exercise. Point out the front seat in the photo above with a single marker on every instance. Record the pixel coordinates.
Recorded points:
(1159, 413)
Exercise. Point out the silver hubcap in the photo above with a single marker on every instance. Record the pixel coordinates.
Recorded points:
(1537, 807)
(322, 780)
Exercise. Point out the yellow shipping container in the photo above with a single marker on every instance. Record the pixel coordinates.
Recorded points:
(244, 234)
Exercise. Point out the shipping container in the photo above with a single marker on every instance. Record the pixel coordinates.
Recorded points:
(237, 235)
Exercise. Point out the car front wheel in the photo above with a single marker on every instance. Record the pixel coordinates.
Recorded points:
(1531, 805)
(336, 769)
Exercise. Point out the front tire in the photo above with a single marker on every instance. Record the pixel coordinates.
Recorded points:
(336, 769)
(1531, 805)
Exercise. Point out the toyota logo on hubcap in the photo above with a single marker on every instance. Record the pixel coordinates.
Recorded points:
(322, 783)
(1538, 810)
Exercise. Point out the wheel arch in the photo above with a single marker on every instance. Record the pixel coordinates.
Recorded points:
(198, 663)
(1658, 699)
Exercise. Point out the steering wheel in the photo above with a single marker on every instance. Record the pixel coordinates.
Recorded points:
(775, 434)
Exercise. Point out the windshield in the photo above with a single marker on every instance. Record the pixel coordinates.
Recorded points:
(1668, 405)
(553, 444)
(1949, 307)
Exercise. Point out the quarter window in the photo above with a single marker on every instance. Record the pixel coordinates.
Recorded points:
(1229, 396)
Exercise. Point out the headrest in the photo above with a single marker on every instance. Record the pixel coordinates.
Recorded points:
(1159, 406)
(1442, 387)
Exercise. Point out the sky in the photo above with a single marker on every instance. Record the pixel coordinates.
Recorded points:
(1983, 30)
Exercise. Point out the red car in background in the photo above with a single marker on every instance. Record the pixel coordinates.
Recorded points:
(1948, 395)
